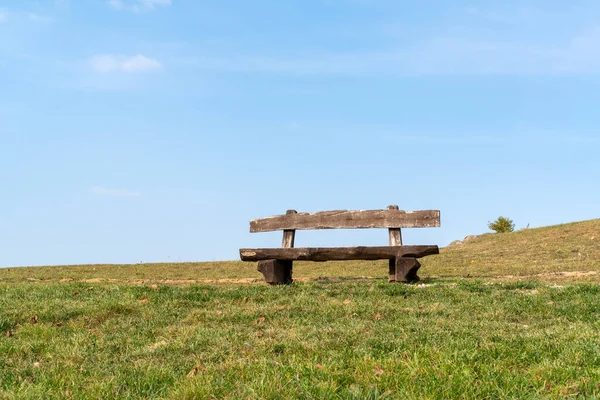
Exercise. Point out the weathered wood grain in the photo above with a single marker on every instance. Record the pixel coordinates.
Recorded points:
(406, 269)
(345, 219)
(338, 253)
(395, 235)
(276, 272)
(289, 234)
(279, 272)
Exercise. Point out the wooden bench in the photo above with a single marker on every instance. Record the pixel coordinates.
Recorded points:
(276, 263)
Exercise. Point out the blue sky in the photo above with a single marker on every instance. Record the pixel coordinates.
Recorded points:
(154, 130)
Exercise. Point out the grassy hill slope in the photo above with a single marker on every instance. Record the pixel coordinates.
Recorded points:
(97, 332)
(561, 248)
(553, 249)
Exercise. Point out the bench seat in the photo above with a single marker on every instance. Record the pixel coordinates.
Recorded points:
(338, 253)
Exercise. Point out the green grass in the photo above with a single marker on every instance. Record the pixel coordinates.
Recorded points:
(560, 248)
(313, 340)
(469, 330)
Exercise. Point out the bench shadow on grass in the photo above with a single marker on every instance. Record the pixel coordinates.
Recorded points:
(427, 280)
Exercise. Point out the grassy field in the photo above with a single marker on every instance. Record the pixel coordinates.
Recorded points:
(503, 316)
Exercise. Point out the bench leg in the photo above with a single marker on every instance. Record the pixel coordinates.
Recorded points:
(404, 269)
(276, 272)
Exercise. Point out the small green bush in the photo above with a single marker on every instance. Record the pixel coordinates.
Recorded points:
(502, 225)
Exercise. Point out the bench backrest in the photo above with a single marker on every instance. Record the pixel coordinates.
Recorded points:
(393, 219)
(344, 219)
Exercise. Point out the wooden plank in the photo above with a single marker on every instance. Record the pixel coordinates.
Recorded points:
(289, 234)
(338, 253)
(395, 235)
(345, 219)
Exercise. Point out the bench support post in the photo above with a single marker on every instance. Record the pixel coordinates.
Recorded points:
(276, 272)
(405, 269)
(279, 272)
(395, 235)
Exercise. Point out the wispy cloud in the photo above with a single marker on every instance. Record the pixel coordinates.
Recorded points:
(39, 18)
(152, 3)
(513, 138)
(467, 54)
(22, 16)
(138, 5)
(507, 14)
(117, 4)
(497, 39)
(111, 63)
(102, 191)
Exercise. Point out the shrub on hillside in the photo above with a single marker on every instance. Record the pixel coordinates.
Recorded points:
(502, 225)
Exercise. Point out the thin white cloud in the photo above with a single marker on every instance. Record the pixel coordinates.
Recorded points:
(111, 63)
(138, 5)
(578, 54)
(40, 18)
(19, 16)
(508, 14)
(151, 3)
(503, 39)
(116, 4)
(102, 191)
(515, 137)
